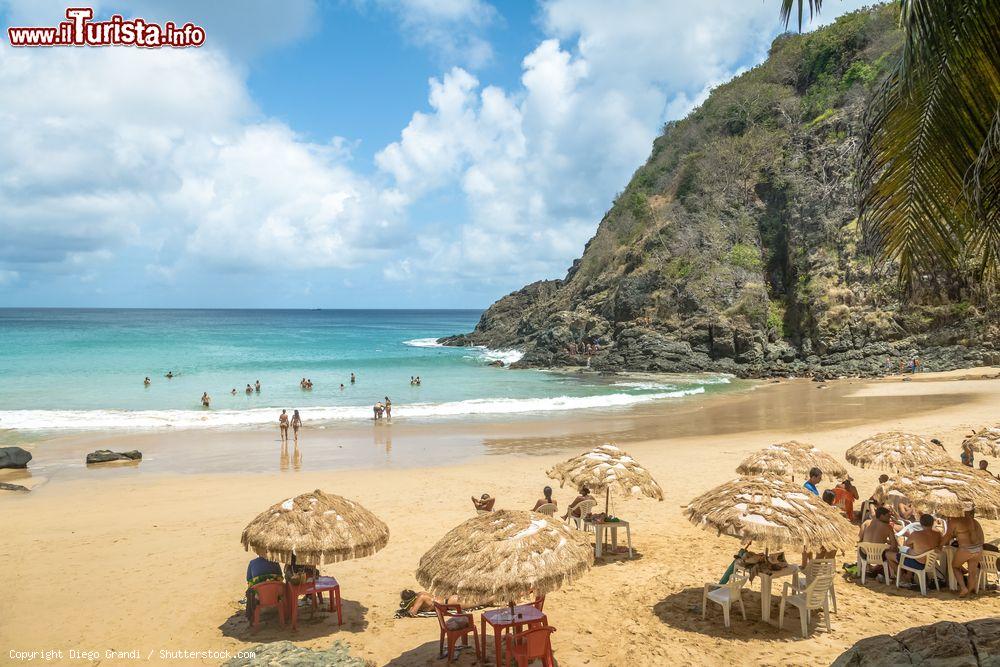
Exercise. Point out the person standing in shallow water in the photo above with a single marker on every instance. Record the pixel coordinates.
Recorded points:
(296, 424)
(352, 378)
(283, 426)
(205, 399)
(388, 408)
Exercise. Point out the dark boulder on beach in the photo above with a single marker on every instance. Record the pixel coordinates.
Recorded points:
(976, 644)
(14, 457)
(107, 456)
(498, 363)
(4, 486)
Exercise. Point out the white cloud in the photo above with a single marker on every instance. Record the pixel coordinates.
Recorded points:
(453, 29)
(540, 164)
(110, 148)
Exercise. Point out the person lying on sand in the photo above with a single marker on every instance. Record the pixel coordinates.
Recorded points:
(484, 503)
(574, 510)
(879, 531)
(546, 500)
(412, 603)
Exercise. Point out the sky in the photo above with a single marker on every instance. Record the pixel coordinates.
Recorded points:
(341, 153)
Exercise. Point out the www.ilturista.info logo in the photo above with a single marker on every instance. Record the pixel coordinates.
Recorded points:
(79, 30)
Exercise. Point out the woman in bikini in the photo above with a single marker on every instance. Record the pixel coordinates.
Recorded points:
(969, 534)
(283, 425)
(296, 423)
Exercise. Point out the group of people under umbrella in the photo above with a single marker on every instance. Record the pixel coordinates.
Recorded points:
(497, 558)
(768, 509)
(505, 556)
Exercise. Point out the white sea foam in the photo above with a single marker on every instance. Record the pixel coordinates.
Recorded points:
(423, 342)
(481, 352)
(96, 420)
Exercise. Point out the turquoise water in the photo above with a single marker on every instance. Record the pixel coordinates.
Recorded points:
(84, 369)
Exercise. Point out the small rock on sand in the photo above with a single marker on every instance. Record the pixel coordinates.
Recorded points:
(107, 456)
(14, 457)
(4, 486)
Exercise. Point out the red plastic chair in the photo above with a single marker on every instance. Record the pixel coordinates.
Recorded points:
(538, 604)
(454, 625)
(329, 585)
(532, 644)
(294, 592)
(269, 594)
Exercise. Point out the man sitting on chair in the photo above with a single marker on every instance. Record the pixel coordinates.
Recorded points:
(879, 531)
(917, 543)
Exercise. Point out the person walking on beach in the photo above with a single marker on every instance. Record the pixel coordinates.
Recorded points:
(296, 423)
(388, 408)
(283, 425)
(205, 399)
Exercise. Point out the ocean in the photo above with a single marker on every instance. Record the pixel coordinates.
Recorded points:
(83, 370)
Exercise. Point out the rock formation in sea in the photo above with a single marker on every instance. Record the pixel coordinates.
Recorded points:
(735, 247)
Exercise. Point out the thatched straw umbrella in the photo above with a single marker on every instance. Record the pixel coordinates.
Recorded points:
(314, 529)
(895, 451)
(773, 512)
(986, 441)
(787, 459)
(603, 467)
(504, 555)
(950, 489)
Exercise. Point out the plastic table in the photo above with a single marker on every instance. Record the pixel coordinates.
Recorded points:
(766, 579)
(612, 527)
(500, 621)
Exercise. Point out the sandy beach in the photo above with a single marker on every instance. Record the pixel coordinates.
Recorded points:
(148, 557)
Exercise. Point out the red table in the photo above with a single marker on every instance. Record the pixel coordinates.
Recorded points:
(501, 621)
(328, 584)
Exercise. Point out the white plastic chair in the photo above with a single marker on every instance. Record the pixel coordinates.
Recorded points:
(547, 508)
(930, 561)
(873, 554)
(988, 569)
(585, 506)
(724, 595)
(814, 568)
(815, 596)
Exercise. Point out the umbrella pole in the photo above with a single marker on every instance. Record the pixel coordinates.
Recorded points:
(607, 500)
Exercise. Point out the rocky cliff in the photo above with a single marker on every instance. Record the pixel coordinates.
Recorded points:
(735, 247)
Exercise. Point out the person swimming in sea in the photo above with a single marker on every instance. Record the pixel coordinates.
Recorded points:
(234, 391)
(417, 381)
(249, 390)
(147, 381)
(169, 374)
(257, 386)
(205, 399)
(352, 378)
(341, 386)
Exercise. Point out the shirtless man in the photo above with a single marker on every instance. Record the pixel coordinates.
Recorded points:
(484, 503)
(918, 543)
(969, 534)
(206, 399)
(879, 531)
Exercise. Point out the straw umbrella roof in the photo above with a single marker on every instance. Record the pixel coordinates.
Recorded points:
(772, 512)
(503, 556)
(604, 467)
(895, 451)
(791, 458)
(316, 528)
(950, 489)
(986, 441)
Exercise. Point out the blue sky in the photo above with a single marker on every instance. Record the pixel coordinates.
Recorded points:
(341, 153)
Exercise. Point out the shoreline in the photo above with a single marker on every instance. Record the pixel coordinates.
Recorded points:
(123, 540)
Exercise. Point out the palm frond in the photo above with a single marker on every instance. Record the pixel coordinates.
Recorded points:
(785, 14)
(926, 131)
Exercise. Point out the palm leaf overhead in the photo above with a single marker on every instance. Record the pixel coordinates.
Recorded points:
(929, 160)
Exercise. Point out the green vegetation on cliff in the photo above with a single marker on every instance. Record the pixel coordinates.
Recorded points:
(736, 246)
